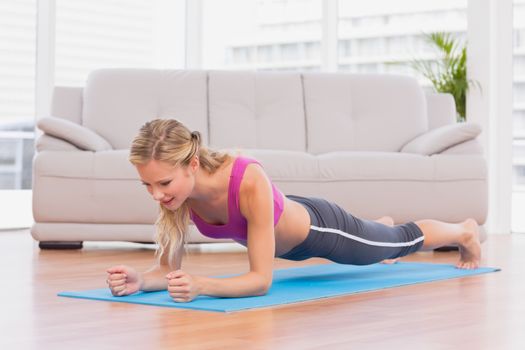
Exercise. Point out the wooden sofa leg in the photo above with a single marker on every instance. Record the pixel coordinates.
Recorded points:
(60, 245)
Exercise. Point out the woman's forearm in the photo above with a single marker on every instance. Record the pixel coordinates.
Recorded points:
(155, 279)
(249, 284)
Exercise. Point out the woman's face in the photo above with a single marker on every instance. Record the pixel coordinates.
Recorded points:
(168, 185)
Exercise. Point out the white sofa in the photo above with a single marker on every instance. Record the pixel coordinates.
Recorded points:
(375, 144)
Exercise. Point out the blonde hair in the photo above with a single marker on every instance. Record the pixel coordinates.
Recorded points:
(170, 141)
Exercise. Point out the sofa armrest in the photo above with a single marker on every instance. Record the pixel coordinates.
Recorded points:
(467, 147)
(73, 133)
(441, 109)
(49, 143)
(444, 137)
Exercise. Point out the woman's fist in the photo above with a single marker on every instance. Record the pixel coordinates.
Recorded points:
(123, 280)
(182, 286)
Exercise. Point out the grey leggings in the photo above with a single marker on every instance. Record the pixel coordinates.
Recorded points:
(341, 237)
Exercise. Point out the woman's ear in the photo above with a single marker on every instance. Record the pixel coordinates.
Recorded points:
(194, 164)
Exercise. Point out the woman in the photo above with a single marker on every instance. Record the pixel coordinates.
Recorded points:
(232, 197)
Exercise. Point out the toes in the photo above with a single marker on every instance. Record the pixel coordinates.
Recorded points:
(467, 265)
(461, 265)
(390, 261)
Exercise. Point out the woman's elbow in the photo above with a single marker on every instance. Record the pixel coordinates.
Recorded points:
(264, 288)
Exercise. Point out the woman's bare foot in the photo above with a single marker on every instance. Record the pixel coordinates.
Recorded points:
(469, 246)
(389, 261)
(387, 220)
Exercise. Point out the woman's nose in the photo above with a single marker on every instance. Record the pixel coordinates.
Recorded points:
(157, 195)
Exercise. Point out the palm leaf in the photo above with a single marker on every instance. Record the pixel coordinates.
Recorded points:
(449, 73)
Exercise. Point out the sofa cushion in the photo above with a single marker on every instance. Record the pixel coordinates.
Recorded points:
(50, 143)
(441, 138)
(112, 165)
(125, 99)
(347, 112)
(406, 186)
(73, 133)
(286, 165)
(343, 166)
(469, 147)
(388, 166)
(103, 187)
(305, 174)
(94, 187)
(256, 110)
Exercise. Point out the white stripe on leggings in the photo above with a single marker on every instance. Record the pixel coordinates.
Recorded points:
(366, 241)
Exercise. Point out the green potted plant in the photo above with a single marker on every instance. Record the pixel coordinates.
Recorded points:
(449, 73)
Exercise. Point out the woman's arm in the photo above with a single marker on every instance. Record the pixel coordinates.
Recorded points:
(256, 204)
(155, 278)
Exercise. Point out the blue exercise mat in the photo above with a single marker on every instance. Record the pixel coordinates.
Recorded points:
(302, 284)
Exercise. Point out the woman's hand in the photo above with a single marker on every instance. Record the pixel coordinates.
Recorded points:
(182, 286)
(123, 280)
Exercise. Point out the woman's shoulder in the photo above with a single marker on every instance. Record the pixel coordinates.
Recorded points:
(254, 177)
(245, 159)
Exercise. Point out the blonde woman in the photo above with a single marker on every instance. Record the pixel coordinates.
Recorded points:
(232, 197)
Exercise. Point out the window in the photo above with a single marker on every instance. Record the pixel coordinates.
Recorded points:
(381, 36)
(17, 92)
(518, 144)
(89, 35)
(261, 34)
(375, 36)
(115, 34)
(17, 109)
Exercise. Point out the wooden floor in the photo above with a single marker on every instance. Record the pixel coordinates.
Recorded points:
(480, 312)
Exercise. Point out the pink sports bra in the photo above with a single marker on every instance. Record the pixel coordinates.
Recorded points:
(237, 226)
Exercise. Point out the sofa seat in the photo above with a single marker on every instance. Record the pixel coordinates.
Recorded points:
(404, 186)
(100, 180)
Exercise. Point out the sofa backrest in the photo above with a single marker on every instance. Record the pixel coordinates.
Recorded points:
(256, 110)
(117, 102)
(362, 112)
(313, 112)
(66, 103)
